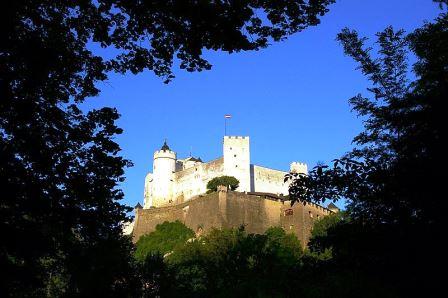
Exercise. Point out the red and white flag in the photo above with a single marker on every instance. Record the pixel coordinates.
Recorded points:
(227, 116)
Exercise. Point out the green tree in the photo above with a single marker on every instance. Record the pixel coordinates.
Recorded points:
(60, 167)
(391, 178)
(230, 262)
(286, 247)
(228, 181)
(163, 240)
(317, 246)
(322, 225)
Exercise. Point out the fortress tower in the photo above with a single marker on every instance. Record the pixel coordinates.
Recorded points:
(237, 160)
(299, 167)
(160, 183)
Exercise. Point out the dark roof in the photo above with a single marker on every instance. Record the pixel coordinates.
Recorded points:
(138, 206)
(194, 159)
(165, 147)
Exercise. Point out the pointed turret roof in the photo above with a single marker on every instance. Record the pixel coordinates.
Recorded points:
(165, 147)
(194, 159)
(138, 206)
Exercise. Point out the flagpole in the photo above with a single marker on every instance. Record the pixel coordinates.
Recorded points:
(227, 116)
(225, 126)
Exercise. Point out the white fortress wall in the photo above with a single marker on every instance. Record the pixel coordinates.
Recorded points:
(269, 180)
(193, 181)
(147, 192)
(185, 184)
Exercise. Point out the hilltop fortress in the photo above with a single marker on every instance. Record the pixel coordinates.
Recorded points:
(177, 190)
(174, 181)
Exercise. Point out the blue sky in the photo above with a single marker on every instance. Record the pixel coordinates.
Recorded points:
(291, 98)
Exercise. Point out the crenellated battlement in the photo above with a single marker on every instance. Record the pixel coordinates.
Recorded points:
(299, 167)
(164, 153)
(236, 137)
(299, 164)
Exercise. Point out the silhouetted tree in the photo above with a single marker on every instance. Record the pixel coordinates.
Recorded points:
(441, 2)
(156, 280)
(392, 178)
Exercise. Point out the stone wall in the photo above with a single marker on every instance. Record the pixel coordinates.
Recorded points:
(257, 211)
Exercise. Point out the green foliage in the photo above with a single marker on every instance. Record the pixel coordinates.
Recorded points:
(164, 239)
(318, 248)
(322, 225)
(230, 262)
(228, 181)
(285, 247)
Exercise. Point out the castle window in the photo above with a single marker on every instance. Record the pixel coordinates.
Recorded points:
(236, 166)
(311, 214)
(289, 212)
(234, 155)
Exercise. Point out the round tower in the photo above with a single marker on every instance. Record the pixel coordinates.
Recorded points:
(164, 166)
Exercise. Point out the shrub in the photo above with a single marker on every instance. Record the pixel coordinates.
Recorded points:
(164, 239)
(228, 181)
